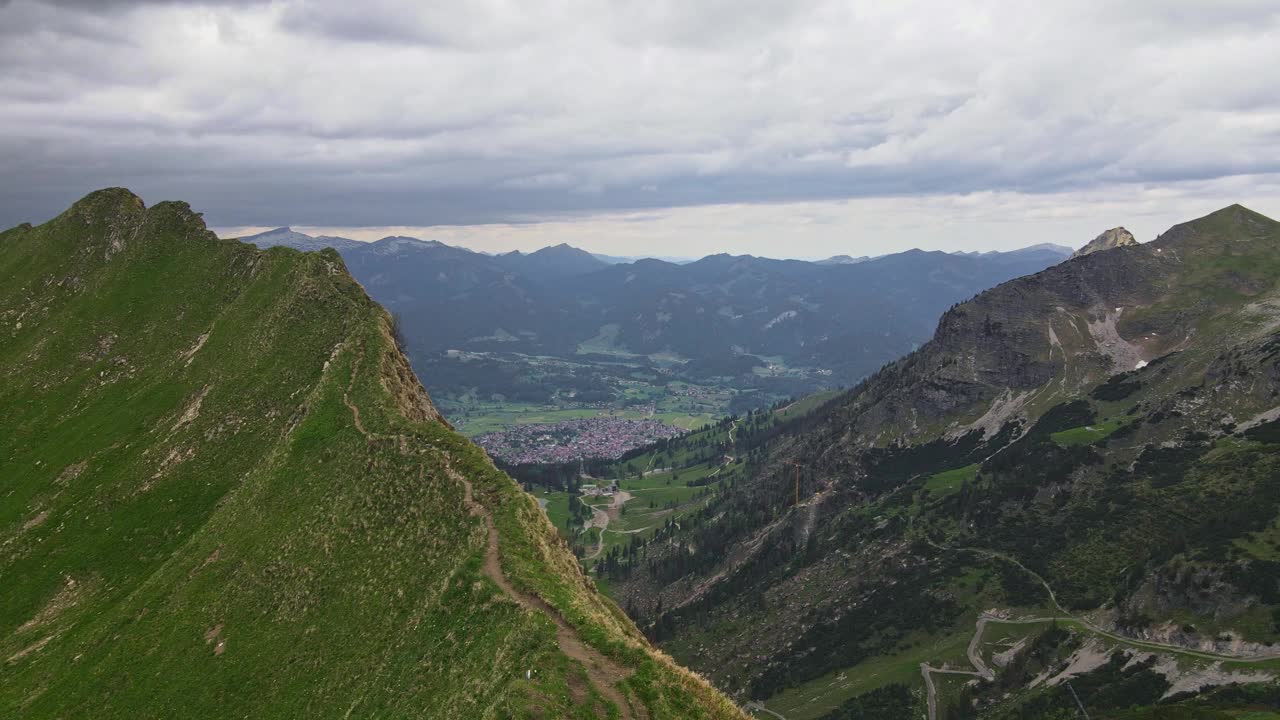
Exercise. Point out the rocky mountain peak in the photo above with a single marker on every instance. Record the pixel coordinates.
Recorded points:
(1113, 238)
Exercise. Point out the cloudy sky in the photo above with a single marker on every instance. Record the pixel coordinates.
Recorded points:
(798, 128)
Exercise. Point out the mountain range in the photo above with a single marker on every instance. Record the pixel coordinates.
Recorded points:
(720, 317)
(225, 491)
(1077, 479)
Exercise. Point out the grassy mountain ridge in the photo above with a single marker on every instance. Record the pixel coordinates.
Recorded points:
(224, 490)
(1094, 442)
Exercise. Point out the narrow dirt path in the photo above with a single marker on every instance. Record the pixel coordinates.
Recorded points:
(603, 672)
(369, 437)
(724, 463)
(355, 412)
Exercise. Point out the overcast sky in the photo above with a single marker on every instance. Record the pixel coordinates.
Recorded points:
(670, 127)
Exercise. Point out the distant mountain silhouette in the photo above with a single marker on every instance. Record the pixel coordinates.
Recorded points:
(720, 313)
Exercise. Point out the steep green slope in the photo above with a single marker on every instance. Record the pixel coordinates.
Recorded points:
(1095, 443)
(224, 491)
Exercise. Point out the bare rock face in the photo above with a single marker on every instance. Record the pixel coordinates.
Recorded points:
(1113, 238)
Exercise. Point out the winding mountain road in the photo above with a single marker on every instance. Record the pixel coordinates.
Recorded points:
(1090, 626)
(600, 518)
(974, 653)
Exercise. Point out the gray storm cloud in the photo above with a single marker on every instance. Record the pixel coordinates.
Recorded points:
(381, 113)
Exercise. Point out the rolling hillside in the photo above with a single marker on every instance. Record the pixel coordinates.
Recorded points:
(225, 491)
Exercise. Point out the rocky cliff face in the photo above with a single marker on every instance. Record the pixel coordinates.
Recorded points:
(1113, 238)
(1078, 323)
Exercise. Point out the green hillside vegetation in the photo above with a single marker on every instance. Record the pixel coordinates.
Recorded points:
(949, 481)
(226, 492)
(1087, 434)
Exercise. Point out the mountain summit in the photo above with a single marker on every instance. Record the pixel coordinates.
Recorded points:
(553, 263)
(224, 486)
(1113, 238)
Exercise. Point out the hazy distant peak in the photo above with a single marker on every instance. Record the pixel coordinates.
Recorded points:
(622, 260)
(563, 249)
(288, 237)
(552, 262)
(1049, 246)
(1113, 238)
(280, 232)
(844, 260)
(395, 244)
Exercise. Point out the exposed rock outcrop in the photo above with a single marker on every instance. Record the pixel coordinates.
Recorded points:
(1113, 238)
